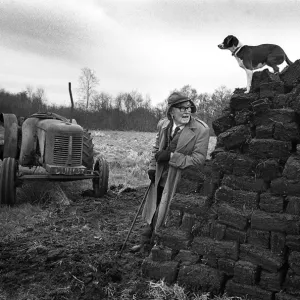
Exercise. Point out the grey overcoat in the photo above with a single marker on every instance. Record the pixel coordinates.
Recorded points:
(191, 151)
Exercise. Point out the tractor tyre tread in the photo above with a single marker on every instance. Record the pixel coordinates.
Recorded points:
(88, 150)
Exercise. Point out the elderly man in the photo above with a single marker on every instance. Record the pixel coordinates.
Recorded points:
(182, 141)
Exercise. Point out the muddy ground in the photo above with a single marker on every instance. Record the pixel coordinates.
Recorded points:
(74, 252)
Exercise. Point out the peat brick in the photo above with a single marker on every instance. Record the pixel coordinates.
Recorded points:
(160, 270)
(271, 203)
(202, 227)
(293, 206)
(293, 188)
(291, 75)
(260, 77)
(226, 266)
(242, 101)
(292, 283)
(210, 259)
(187, 257)
(277, 243)
(224, 194)
(245, 272)
(223, 123)
(201, 277)
(293, 242)
(245, 200)
(267, 148)
(274, 116)
(261, 257)
(160, 254)
(192, 204)
(259, 238)
(269, 90)
(264, 131)
(242, 117)
(252, 292)
(234, 137)
(279, 186)
(286, 132)
(217, 231)
(232, 234)
(224, 161)
(284, 296)
(283, 186)
(296, 105)
(281, 101)
(275, 222)
(243, 165)
(174, 218)
(268, 169)
(188, 221)
(260, 106)
(294, 262)
(271, 281)
(221, 249)
(292, 168)
(293, 96)
(246, 183)
(231, 216)
(174, 238)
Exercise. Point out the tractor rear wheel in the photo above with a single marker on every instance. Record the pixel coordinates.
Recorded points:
(8, 175)
(100, 185)
(88, 151)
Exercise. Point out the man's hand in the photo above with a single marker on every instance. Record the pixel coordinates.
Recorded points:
(163, 155)
(151, 175)
(173, 145)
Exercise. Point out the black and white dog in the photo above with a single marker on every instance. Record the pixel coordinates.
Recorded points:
(254, 57)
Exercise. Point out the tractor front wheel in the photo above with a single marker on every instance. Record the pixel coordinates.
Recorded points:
(100, 184)
(88, 151)
(8, 175)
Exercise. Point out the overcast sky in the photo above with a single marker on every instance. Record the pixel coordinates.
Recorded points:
(151, 46)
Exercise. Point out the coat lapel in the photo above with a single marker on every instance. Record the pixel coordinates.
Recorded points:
(186, 135)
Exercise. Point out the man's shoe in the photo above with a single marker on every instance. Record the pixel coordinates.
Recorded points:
(147, 232)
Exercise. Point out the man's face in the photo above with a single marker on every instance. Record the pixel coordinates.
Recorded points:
(181, 113)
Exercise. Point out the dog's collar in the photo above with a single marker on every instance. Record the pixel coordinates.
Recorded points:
(234, 53)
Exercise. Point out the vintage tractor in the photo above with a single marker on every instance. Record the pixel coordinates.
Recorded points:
(62, 147)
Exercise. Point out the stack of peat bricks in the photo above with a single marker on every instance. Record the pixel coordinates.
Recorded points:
(245, 241)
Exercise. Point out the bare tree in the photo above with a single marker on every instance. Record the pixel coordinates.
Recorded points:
(190, 92)
(220, 100)
(88, 82)
(29, 91)
(101, 101)
(160, 110)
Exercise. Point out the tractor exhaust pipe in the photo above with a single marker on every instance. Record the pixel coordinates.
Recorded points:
(72, 106)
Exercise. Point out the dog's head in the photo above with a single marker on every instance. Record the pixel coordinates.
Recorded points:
(230, 42)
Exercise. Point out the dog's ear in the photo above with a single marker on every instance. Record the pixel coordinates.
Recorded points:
(228, 40)
(235, 41)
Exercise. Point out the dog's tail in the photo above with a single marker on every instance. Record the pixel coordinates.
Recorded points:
(287, 60)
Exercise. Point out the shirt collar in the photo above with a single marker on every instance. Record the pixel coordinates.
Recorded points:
(174, 126)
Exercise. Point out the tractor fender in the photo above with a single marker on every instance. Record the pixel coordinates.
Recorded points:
(10, 135)
(29, 142)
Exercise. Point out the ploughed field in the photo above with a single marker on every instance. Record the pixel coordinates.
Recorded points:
(60, 243)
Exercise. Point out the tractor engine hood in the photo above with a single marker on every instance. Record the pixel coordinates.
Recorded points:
(51, 125)
(51, 141)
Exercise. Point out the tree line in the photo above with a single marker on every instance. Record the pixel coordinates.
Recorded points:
(100, 110)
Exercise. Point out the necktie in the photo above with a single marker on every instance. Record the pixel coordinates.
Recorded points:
(175, 131)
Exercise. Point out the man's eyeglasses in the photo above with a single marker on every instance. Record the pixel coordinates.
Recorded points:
(184, 108)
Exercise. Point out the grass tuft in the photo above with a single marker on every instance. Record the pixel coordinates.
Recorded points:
(14, 220)
(160, 290)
